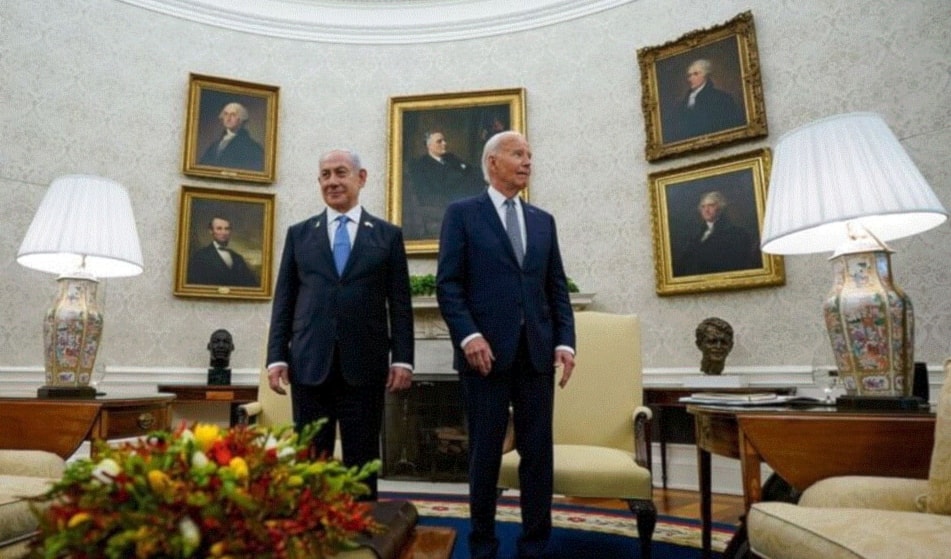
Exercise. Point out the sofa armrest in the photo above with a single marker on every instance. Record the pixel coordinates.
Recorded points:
(642, 436)
(865, 492)
(248, 413)
(31, 463)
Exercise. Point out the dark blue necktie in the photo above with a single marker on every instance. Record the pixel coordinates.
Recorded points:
(341, 244)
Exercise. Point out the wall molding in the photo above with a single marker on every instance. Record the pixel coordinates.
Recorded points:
(389, 22)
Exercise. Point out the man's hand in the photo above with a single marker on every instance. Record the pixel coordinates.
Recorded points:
(400, 378)
(277, 379)
(479, 355)
(566, 362)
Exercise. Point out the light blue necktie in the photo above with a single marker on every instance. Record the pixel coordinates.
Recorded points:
(341, 244)
(511, 227)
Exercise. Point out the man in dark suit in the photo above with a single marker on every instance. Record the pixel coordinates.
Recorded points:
(217, 264)
(235, 148)
(436, 179)
(717, 245)
(704, 109)
(503, 293)
(342, 321)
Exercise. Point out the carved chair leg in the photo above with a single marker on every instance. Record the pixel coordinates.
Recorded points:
(646, 514)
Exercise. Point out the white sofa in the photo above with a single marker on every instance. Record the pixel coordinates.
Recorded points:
(23, 473)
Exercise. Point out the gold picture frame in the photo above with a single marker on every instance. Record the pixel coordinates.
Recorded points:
(216, 104)
(201, 269)
(728, 108)
(687, 258)
(418, 187)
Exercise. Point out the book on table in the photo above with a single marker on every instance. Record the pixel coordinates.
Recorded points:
(733, 399)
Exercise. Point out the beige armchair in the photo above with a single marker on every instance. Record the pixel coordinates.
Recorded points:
(865, 516)
(601, 431)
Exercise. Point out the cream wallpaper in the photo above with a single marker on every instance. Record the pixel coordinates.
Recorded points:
(99, 86)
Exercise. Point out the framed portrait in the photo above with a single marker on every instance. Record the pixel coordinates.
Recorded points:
(225, 241)
(702, 90)
(435, 154)
(230, 130)
(707, 221)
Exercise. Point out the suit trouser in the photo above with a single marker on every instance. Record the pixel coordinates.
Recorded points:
(358, 410)
(487, 400)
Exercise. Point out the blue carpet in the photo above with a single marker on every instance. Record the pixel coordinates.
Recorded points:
(580, 532)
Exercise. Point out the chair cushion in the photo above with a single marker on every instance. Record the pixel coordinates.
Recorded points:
(588, 471)
(787, 531)
(16, 519)
(866, 492)
(939, 476)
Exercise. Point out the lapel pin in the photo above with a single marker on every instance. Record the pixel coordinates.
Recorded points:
(367, 224)
(317, 224)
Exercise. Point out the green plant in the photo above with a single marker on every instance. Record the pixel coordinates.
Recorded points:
(422, 285)
(425, 285)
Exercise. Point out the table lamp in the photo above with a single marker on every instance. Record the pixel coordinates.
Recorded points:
(83, 230)
(845, 184)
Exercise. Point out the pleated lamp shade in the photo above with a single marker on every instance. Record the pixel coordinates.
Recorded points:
(83, 222)
(842, 169)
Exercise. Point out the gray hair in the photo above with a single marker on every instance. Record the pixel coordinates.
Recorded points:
(492, 148)
(703, 64)
(714, 196)
(352, 155)
(242, 112)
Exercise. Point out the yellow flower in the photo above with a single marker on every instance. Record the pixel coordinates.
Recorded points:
(159, 481)
(239, 467)
(206, 434)
(295, 481)
(78, 519)
(217, 549)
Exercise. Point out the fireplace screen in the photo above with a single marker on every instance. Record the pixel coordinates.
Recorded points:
(424, 434)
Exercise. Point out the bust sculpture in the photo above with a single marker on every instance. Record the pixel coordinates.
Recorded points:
(220, 346)
(715, 340)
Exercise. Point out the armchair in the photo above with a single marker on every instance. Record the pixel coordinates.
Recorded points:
(865, 516)
(601, 431)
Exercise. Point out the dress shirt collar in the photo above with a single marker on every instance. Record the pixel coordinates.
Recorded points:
(498, 200)
(353, 213)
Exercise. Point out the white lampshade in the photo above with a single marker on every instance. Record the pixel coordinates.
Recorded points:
(844, 169)
(84, 222)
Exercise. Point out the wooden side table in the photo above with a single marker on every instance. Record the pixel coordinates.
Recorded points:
(672, 423)
(61, 425)
(805, 445)
(233, 394)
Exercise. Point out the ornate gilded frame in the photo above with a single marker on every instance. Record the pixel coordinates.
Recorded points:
(731, 49)
(207, 96)
(467, 120)
(252, 237)
(675, 197)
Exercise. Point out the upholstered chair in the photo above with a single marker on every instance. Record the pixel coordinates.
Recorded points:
(601, 431)
(865, 516)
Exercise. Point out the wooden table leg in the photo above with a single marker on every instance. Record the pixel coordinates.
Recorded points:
(706, 520)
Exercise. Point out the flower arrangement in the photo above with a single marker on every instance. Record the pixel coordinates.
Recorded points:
(205, 492)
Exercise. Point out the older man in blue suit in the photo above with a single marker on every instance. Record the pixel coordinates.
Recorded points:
(342, 320)
(503, 292)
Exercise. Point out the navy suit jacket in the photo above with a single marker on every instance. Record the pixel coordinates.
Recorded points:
(366, 312)
(481, 288)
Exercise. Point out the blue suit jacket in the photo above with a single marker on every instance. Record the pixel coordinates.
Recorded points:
(481, 288)
(366, 313)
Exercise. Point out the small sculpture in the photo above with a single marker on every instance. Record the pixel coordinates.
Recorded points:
(715, 340)
(220, 347)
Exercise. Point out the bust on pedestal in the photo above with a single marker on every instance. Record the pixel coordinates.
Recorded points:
(220, 347)
(714, 338)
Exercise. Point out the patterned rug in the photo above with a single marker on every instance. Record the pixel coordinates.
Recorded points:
(674, 531)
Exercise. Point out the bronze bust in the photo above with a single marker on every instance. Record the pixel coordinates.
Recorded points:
(715, 340)
(220, 346)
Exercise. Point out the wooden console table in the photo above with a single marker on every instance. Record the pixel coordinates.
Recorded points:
(234, 394)
(672, 423)
(61, 425)
(805, 445)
